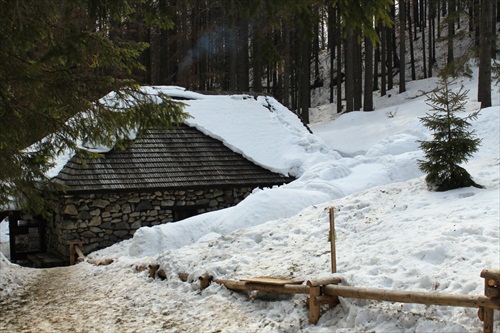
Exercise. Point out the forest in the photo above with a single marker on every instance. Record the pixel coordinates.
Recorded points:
(59, 58)
(274, 47)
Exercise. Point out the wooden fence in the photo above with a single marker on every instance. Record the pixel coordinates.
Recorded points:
(327, 291)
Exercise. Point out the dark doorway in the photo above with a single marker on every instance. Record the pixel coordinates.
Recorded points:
(181, 214)
(27, 236)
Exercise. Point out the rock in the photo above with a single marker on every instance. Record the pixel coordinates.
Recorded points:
(143, 206)
(70, 210)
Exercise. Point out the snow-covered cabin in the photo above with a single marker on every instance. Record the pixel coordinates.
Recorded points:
(165, 176)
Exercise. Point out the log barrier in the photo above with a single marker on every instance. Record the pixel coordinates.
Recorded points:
(486, 303)
(327, 291)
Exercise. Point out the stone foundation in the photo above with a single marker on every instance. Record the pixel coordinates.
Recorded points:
(101, 220)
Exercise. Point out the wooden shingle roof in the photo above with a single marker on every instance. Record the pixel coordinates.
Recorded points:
(182, 158)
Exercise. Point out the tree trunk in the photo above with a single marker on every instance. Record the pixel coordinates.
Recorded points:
(411, 28)
(339, 63)
(424, 58)
(402, 46)
(375, 67)
(243, 61)
(358, 73)
(305, 79)
(484, 81)
(383, 62)
(451, 31)
(349, 70)
(333, 39)
(287, 73)
(493, 39)
(368, 93)
(390, 61)
(257, 62)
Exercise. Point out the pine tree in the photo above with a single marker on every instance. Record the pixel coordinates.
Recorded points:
(452, 144)
(55, 65)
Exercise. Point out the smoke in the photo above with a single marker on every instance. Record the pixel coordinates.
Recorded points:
(216, 42)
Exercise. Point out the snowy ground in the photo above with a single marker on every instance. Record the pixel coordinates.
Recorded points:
(391, 233)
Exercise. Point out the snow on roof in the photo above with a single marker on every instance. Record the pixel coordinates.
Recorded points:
(261, 129)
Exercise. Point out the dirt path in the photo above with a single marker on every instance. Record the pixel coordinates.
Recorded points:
(85, 299)
(77, 299)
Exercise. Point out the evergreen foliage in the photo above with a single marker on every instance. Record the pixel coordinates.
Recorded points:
(56, 61)
(453, 143)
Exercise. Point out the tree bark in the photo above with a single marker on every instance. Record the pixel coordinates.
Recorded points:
(402, 46)
(383, 60)
(349, 70)
(368, 91)
(451, 31)
(484, 81)
(339, 63)
(411, 36)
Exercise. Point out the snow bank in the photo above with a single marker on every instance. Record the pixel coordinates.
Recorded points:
(391, 231)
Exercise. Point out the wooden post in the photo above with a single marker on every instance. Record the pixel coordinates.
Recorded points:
(71, 254)
(492, 291)
(314, 305)
(332, 301)
(333, 251)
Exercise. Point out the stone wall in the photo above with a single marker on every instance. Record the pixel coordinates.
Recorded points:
(101, 220)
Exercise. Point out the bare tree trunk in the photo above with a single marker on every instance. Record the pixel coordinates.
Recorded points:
(349, 70)
(368, 93)
(358, 73)
(402, 46)
(494, 9)
(432, 57)
(451, 31)
(305, 79)
(375, 67)
(411, 29)
(243, 60)
(484, 81)
(383, 60)
(339, 63)
(424, 58)
(390, 60)
(287, 73)
(333, 39)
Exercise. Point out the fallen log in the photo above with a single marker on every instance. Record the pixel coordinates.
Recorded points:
(100, 262)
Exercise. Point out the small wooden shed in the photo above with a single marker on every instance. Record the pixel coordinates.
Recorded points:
(165, 176)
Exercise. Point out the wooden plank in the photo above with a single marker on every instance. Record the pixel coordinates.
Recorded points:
(245, 286)
(271, 280)
(429, 298)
